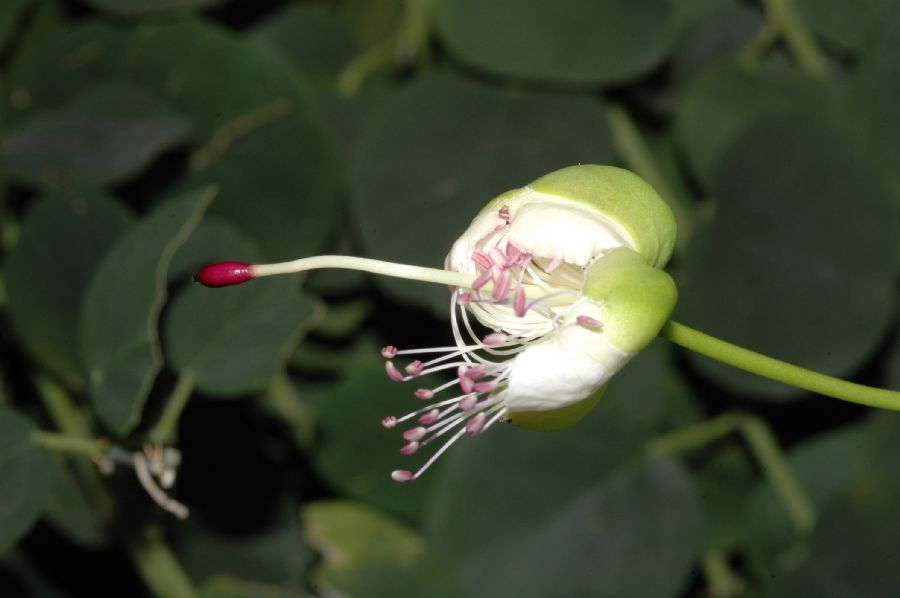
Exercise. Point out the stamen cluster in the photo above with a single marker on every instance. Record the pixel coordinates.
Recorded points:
(521, 298)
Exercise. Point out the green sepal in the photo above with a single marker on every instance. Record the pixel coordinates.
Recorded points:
(618, 194)
(556, 420)
(636, 297)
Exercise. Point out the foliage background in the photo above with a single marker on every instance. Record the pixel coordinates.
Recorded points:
(143, 138)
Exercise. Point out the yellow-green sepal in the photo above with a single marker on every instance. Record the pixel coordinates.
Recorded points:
(622, 196)
(556, 420)
(637, 299)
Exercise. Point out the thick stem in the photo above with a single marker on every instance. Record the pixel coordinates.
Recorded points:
(694, 436)
(159, 568)
(776, 468)
(70, 444)
(764, 448)
(165, 430)
(797, 37)
(775, 369)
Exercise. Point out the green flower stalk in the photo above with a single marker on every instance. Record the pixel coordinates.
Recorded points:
(564, 279)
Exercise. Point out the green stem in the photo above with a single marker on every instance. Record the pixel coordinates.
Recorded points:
(70, 444)
(694, 436)
(636, 155)
(798, 37)
(753, 54)
(166, 429)
(352, 76)
(73, 423)
(66, 415)
(775, 369)
(762, 445)
(765, 447)
(413, 32)
(721, 580)
(159, 568)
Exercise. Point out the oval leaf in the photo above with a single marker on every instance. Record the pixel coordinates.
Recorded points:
(62, 241)
(568, 41)
(234, 340)
(119, 340)
(255, 134)
(25, 470)
(103, 136)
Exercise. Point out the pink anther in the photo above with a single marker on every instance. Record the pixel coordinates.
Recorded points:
(424, 394)
(475, 425)
(519, 302)
(498, 257)
(389, 422)
(415, 368)
(467, 403)
(553, 264)
(494, 339)
(466, 384)
(392, 372)
(409, 448)
(484, 386)
(430, 417)
(472, 373)
(588, 322)
(414, 434)
(501, 286)
(482, 280)
(482, 259)
(401, 475)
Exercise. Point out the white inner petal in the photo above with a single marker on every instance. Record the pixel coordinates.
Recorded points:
(564, 367)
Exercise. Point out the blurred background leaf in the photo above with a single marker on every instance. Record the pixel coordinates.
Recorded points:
(26, 472)
(118, 318)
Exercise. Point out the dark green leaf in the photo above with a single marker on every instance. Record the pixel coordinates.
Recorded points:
(844, 23)
(710, 31)
(853, 550)
(254, 133)
(725, 484)
(119, 340)
(799, 261)
(315, 41)
(103, 136)
(63, 239)
(436, 153)
(724, 99)
(521, 513)
(70, 510)
(356, 454)
(824, 468)
(876, 86)
(25, 470)
(143, 7)
(569, 41)
(10, 13)
(234, 340)
(366, 553)
(275, 554)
